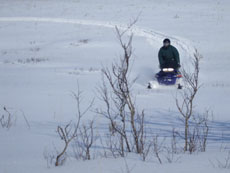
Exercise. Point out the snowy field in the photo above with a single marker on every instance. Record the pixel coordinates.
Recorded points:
(47, 47)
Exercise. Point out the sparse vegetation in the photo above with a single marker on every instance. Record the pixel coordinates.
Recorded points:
(31, 60)
(196, 127)
(223, 163)
(7, 120)
(85, 141)
(69, 132)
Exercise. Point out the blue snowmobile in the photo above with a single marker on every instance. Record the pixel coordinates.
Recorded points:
(169, 76)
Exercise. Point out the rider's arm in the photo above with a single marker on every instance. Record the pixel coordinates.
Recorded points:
(177, 56)
(160, 57)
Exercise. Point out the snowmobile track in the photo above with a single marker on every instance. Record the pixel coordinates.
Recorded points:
(149, 34)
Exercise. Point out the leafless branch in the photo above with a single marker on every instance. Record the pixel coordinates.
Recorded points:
(70, 130)
(186, 107)
(85, 141)
(7, 119)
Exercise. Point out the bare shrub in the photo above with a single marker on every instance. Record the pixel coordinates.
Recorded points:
(117, 121)
(186, 106)
(199, 131)
(119, 83)
(67, 135)
(84, 142)
(49, 157)
(121, 110)
(172, 151)
(158, 148)
(196, 128)
(115, 144)
(146, 149)
(7, 119)
(70, 131)
(145, 141)
(174, 142)
(222, 164)
(204, 121)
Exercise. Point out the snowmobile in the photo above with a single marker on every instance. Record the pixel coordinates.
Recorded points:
(167, 77)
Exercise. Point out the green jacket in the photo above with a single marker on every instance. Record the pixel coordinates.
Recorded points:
(169, 55)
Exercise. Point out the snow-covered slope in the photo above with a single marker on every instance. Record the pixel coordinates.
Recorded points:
(47, 47)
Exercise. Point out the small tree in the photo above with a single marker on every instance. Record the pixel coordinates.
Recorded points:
(186, 106)
(70, 130)
(85, 140)
(120, 103)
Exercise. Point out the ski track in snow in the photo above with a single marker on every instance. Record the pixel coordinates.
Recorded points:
(149, 34)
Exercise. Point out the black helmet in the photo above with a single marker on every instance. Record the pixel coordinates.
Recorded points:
(166, 41)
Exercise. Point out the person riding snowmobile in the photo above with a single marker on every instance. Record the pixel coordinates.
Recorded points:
(169, 56)
(169, 60)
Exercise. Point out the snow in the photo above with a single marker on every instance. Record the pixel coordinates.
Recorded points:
(47, 47)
